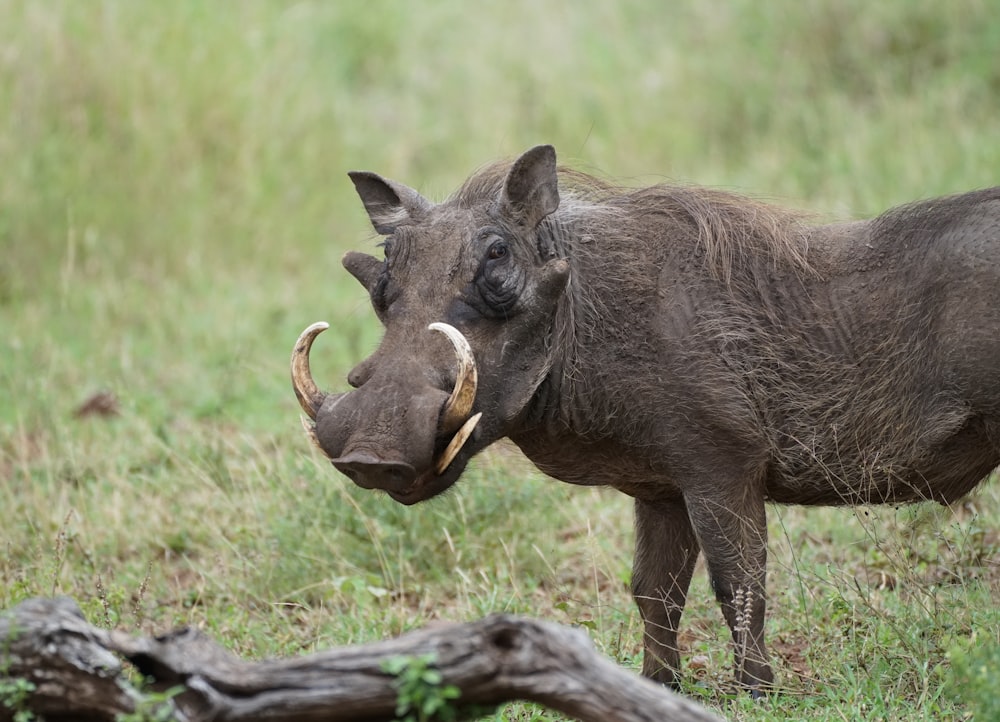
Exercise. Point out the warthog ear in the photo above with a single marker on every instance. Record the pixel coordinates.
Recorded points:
(531, 190)
(389, 204)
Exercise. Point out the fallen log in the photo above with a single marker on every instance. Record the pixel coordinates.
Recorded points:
(57, 666)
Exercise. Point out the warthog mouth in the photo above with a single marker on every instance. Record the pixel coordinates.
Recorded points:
(455, 419)
(433, 482)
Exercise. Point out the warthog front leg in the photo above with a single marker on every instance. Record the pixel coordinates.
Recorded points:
(666, 550)
(732, 530)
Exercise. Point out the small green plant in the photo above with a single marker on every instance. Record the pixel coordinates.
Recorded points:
(14, 694)
(153, 707)
(421, 696)
(14, 691)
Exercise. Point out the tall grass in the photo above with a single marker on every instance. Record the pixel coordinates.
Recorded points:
(173, 207)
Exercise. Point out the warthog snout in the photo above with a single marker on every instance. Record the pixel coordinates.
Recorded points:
(371, 472)
(393, 433)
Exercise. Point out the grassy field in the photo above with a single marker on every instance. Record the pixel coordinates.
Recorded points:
(173, 208)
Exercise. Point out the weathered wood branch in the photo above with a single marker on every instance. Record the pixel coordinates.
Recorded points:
(77, 674)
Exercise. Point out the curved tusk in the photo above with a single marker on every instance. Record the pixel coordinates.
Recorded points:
(459, 404)
(309, 396)
(456, 444)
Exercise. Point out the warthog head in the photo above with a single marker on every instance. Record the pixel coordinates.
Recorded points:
(467, 294)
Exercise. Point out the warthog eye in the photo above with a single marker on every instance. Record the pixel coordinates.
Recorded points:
(497, 251)
(378, 293)
(498, 281)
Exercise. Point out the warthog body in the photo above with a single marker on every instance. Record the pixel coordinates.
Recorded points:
(701, 352)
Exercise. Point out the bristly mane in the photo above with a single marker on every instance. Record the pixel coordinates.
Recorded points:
(737, 234)
(742, 243)
(838, 420)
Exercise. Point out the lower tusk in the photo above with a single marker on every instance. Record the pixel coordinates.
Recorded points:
(310, 428)
(456, 444)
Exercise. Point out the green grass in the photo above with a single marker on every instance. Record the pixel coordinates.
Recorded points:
(173, 207)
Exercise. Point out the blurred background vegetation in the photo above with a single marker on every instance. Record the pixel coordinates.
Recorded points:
(173, 208)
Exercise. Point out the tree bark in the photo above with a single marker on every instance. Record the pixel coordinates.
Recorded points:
(77, 674)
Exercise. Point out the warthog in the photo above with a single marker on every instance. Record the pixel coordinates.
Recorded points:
(702, 352)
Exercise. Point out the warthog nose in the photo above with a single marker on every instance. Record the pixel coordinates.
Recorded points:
(370, 472)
